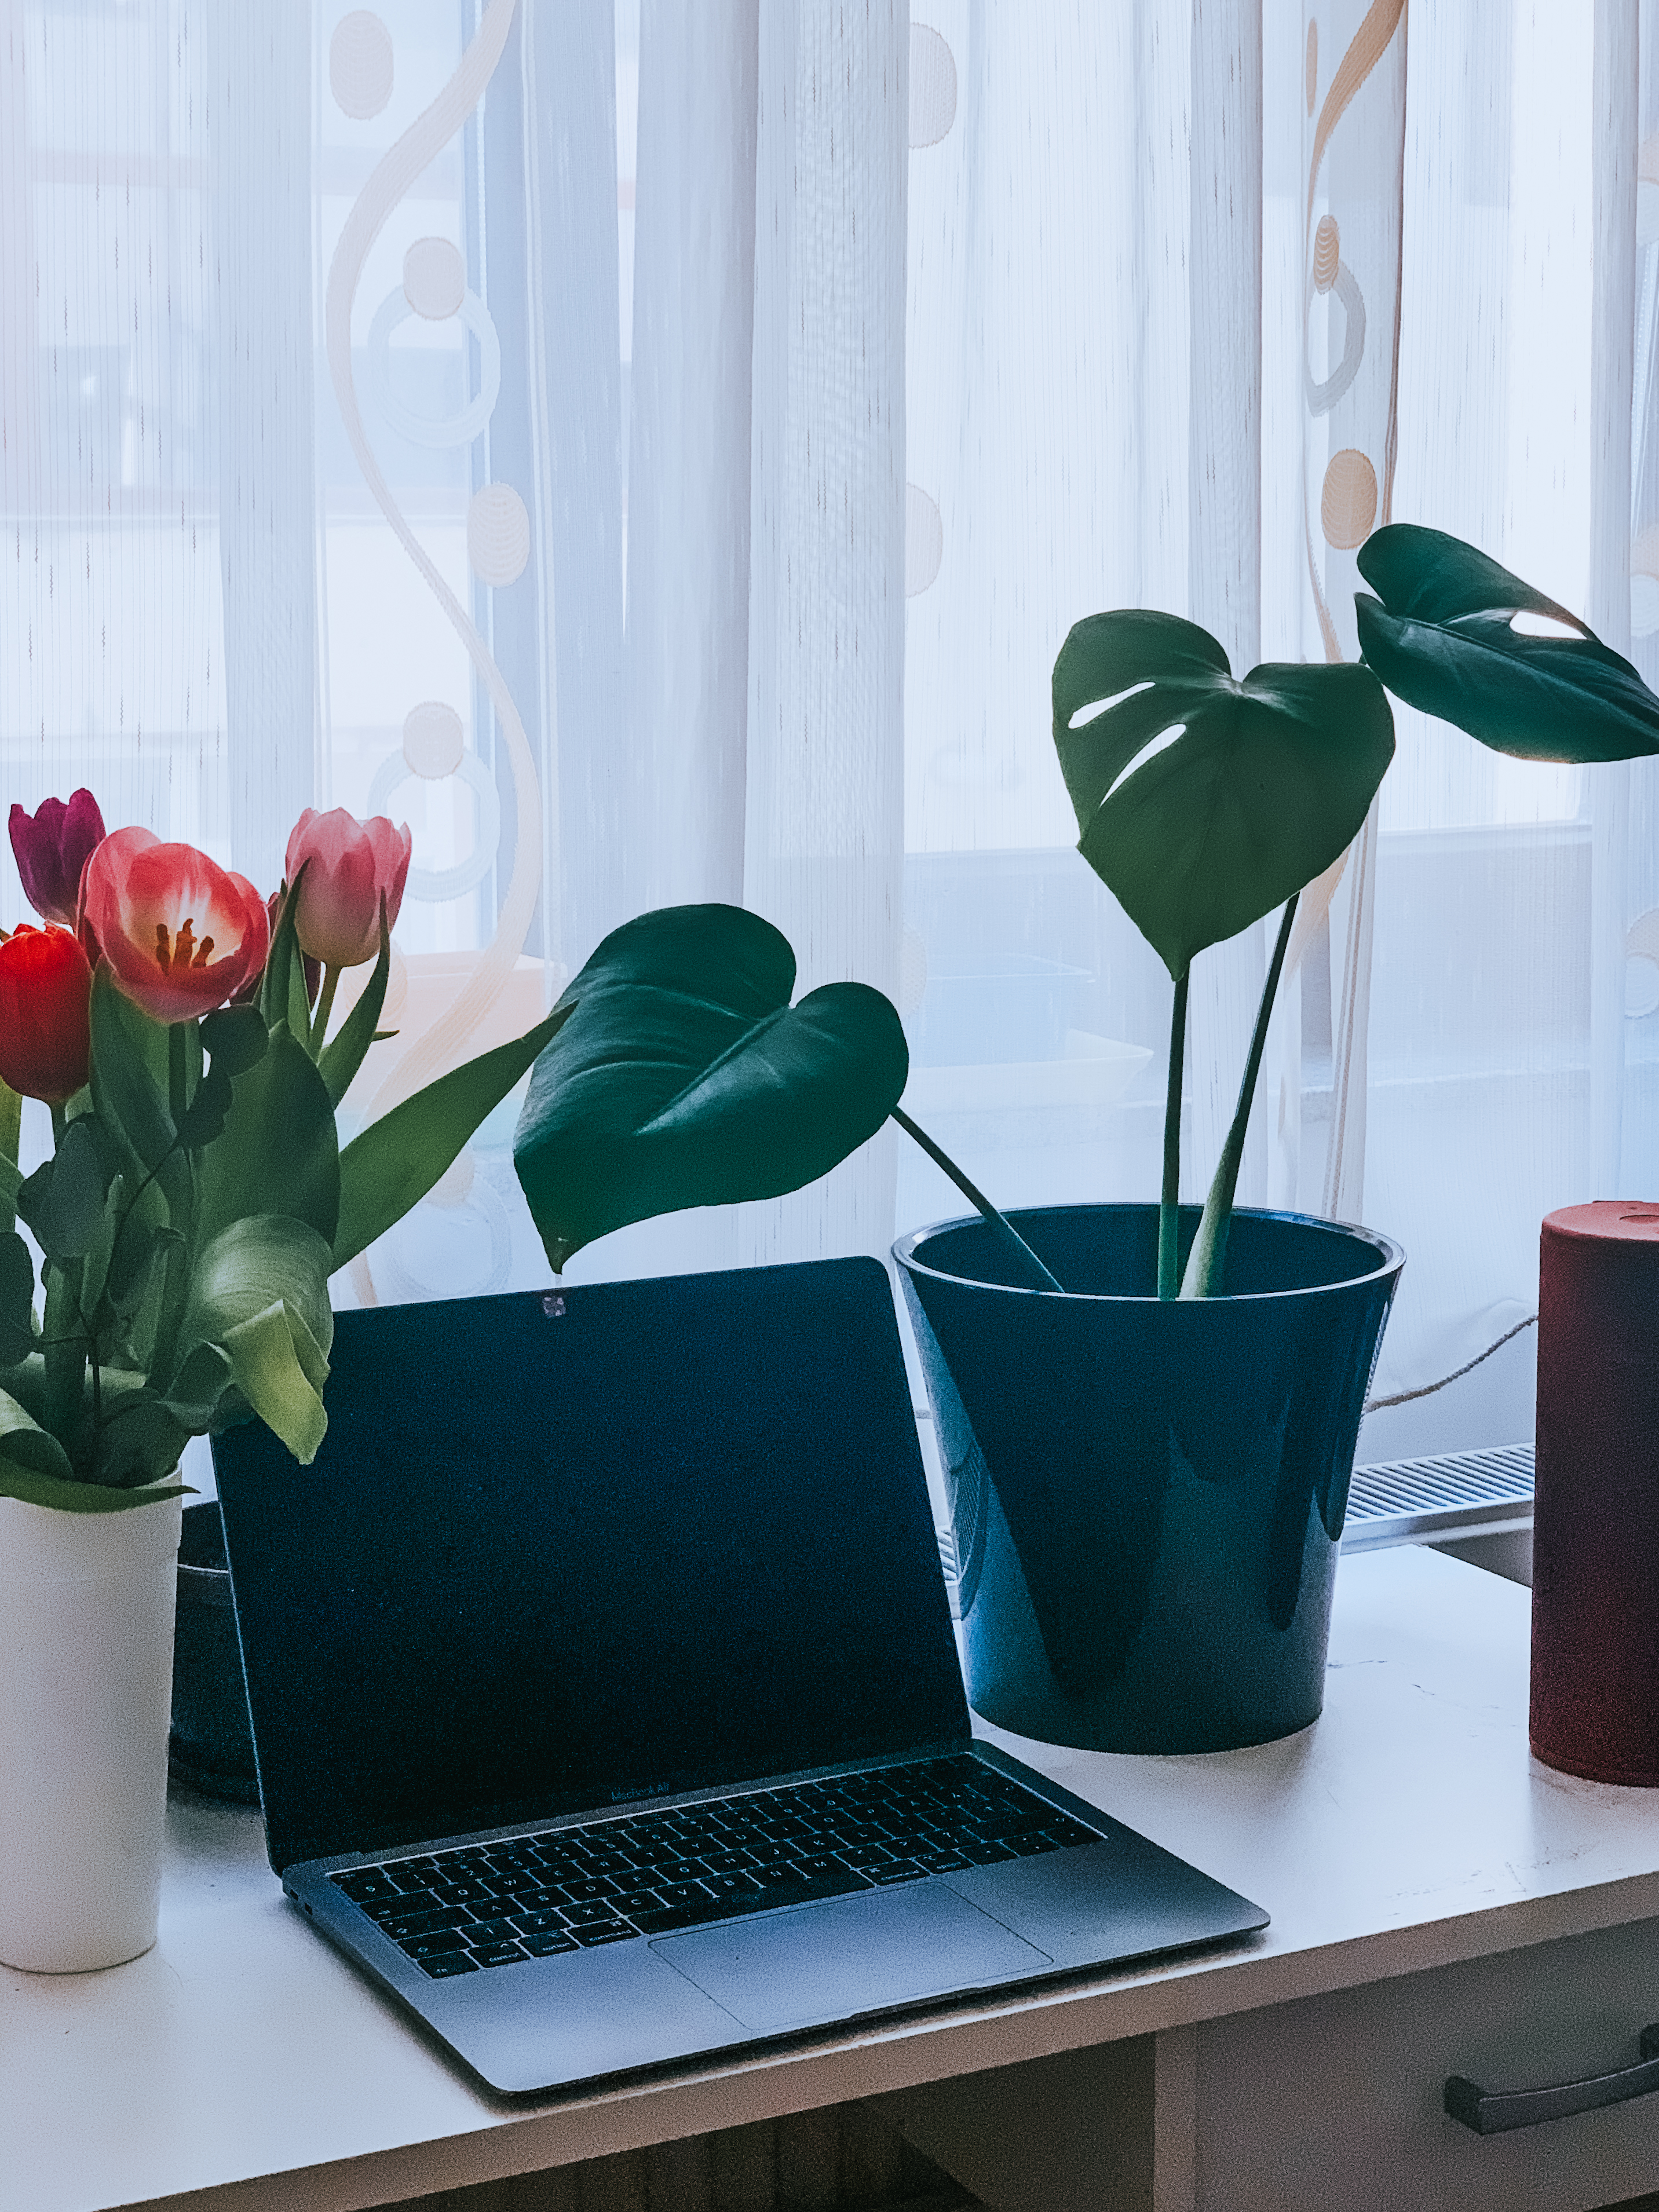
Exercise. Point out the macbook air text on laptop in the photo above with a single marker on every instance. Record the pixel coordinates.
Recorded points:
(604, 1693)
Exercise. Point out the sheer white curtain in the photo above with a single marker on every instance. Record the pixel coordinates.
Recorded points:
(659, 450)
(490, 412)
(1456, 278)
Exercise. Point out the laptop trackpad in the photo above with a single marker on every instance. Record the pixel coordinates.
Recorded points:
(822, 1962)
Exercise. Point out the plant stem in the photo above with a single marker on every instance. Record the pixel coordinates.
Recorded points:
(177, 1070)
(64, 1346)
(324, 1008)
(1208, 1257)
(11, 1125)
(1169, 1203)
(1006, 1232)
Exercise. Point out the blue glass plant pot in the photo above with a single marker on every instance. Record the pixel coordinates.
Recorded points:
(1147, 1496)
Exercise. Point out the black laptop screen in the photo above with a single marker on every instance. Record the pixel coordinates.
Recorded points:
(558, 1551)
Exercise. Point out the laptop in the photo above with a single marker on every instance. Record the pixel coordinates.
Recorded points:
(605, 1697)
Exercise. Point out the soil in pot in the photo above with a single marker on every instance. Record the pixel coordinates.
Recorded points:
(1148, 1497)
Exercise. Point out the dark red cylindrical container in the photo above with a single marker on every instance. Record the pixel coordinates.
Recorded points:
(1596, 1534)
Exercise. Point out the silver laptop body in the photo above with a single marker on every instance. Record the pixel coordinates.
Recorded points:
(606, 1697)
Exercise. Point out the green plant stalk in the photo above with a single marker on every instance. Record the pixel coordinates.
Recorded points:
(326, 1006)
(178, 1071)
(1006, 1232)
(1169, 1203)
(65, 1344)
(11, 1127)
(180, 1264)
(1208, 1257)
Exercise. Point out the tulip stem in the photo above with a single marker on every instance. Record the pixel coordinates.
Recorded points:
(177, 1069)
(324, 1008)
(64, 1346)
(11, 1125)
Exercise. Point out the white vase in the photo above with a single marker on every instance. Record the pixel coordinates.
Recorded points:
(86, 1685)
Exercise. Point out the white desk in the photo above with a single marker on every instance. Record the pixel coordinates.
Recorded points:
(243, 2064)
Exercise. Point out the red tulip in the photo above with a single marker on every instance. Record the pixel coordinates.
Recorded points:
(46, 988)
(52, 846)
(181, 934)
(353, 866)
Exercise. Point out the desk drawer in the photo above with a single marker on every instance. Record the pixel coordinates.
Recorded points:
(1334, 2104)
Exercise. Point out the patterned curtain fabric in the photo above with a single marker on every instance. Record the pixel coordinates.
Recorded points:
(657, 450)
(390, 396)
(1453, 266)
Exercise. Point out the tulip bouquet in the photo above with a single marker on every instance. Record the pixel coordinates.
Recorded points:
(197, 1199)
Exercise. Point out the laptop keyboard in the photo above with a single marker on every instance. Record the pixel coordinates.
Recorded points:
(490, 1904)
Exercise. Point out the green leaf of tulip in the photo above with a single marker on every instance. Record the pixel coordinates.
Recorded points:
(204, 1117)
(345, 1053)
(17, 1299)
(685, 1078)
(283, 989)
(396, 1159)
(27, 1448)
(277, 1152)
(235, 1038)
(94, 1265)
(129, 1073)
(63, 1201)
(137, 1437)
(1441, 635)
(1266, 780)
(259, 1292)
(11, 1125)
(82, 1496)
(198, 1390)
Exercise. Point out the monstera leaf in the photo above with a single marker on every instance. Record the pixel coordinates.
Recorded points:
(1440, 634)
(684, 1077)
(1264, 782)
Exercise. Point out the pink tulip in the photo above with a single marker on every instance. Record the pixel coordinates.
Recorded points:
(352, 866)
(181, 934)
(52, 846)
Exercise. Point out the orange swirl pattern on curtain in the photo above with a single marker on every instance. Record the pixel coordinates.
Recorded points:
(1349, 496)
(1369, 44)
(439, 1043)
(1349, 418)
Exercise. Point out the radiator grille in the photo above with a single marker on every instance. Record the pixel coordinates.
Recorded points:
(1404, 1501)
(1400, 1501)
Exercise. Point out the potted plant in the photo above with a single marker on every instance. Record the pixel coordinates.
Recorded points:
(196, 1202)
(1148, 1415)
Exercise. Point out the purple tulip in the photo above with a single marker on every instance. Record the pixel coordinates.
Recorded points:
(52, 846)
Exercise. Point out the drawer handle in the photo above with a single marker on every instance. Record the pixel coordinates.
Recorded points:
(1490, 2111)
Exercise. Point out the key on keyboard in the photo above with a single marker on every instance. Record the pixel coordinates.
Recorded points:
(492, 1905)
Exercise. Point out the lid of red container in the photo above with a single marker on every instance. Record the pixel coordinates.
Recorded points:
(1622, 1220)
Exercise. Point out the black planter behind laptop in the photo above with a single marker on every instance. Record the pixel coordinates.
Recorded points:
(211, 1745)
(1147, 1495)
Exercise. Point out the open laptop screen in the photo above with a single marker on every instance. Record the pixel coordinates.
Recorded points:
(559, 1551)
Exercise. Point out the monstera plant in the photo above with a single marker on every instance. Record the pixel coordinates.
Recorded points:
(1204, 802)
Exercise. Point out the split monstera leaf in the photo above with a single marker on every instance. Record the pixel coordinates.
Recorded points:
(1263, 786)
(1268, 780)
(1204, 801)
